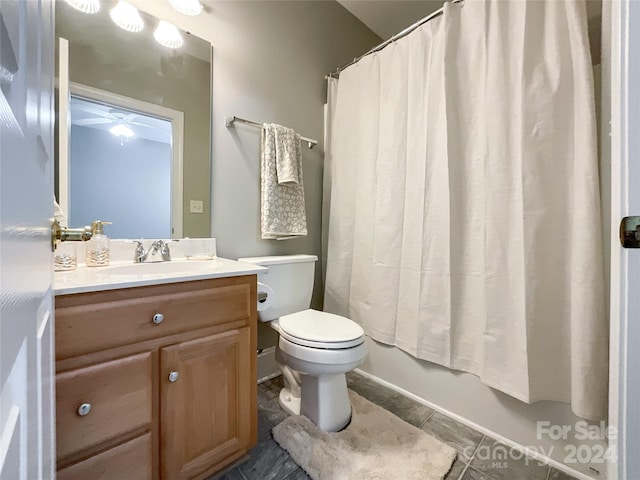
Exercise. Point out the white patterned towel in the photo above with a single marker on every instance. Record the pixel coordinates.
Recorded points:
(282, 191)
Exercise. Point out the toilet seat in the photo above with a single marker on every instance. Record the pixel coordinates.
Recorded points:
(323, 330)
(340, 360)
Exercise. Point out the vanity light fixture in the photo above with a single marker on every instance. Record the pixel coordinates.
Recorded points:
(168, 35)
(122, 131)
(85, 6)
(127, 17)
(187, 7)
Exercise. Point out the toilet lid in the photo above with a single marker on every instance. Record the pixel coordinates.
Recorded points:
(321, 329)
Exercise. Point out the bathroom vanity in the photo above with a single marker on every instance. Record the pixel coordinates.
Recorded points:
(155, 372)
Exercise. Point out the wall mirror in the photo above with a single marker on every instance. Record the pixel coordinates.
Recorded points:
(133, 123)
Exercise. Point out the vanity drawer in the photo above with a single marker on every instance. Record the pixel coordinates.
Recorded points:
(119, 395)
(90, 322)
(132, 460)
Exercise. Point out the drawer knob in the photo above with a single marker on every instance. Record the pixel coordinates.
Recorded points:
(174, 376)
(84, 409)
(158, 318)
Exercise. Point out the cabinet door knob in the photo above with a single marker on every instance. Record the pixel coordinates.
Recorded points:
(174, 376)
(84, 409)
(158, 318)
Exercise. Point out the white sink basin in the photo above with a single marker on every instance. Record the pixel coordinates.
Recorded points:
(163, 268)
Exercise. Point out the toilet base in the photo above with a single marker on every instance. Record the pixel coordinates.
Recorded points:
(325, 401)
(317, 378)
(288, 402)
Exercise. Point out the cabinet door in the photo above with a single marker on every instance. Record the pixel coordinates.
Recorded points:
(208, 409)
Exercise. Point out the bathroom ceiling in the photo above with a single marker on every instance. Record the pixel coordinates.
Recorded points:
(388, 17)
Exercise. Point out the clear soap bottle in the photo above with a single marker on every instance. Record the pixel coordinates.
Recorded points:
(98, 252)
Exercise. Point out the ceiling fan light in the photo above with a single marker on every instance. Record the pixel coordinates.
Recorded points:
(121, 130)
(127, 17)
(168, 35)
(85, 6)
(187, 7)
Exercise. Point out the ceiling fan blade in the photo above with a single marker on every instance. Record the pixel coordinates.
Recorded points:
(85, 122)
(93, 110)
(141, 124)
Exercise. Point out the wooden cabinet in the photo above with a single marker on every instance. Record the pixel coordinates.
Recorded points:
(142, 396)
(205, 417)
(101, 402)
(130, 460)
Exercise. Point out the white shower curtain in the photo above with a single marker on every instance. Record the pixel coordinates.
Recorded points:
(464, 222)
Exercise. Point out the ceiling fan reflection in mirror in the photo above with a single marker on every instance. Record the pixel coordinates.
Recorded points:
(122, 123)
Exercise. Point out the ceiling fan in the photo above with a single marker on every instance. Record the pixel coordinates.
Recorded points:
(122, 120)
(112, 115)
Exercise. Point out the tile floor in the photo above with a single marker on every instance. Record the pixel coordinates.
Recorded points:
(269, 462)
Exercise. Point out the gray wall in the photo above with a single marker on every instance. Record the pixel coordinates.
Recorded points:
(106, 184)
(269, 62)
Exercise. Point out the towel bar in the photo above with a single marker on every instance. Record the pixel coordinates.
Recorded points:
(229, 121)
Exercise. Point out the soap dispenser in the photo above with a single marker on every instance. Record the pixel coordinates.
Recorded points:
(98, 246)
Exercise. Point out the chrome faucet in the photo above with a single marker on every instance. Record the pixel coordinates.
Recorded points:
(157, 248)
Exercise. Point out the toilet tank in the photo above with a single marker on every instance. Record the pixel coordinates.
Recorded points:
(288, 282)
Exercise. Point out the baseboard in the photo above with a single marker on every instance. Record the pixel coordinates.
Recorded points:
(535, 454)
(267, 365)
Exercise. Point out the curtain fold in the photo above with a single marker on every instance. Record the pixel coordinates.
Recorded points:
(464, 221)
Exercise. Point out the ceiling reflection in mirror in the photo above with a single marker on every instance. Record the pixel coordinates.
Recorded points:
(121, 75)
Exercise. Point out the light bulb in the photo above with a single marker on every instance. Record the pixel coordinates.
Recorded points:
(121, 130)
(168, 35)
(127, 17)
(85, 6)
(187, 7)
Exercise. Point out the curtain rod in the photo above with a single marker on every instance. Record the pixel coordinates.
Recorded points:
(229, 121)
(397, 36)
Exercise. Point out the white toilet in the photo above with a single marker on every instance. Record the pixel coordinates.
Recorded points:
(315, 349)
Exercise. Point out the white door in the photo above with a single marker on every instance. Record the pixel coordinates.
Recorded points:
(625, 266)
(27, 436)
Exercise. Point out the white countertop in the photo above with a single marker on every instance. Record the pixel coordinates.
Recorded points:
(94, 279)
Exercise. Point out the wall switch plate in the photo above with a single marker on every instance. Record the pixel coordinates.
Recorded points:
(196, 206)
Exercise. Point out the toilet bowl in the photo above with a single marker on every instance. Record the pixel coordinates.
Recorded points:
(321, 358)
(315, 349)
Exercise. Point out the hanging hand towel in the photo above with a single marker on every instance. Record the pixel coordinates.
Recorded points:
(282, 190)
